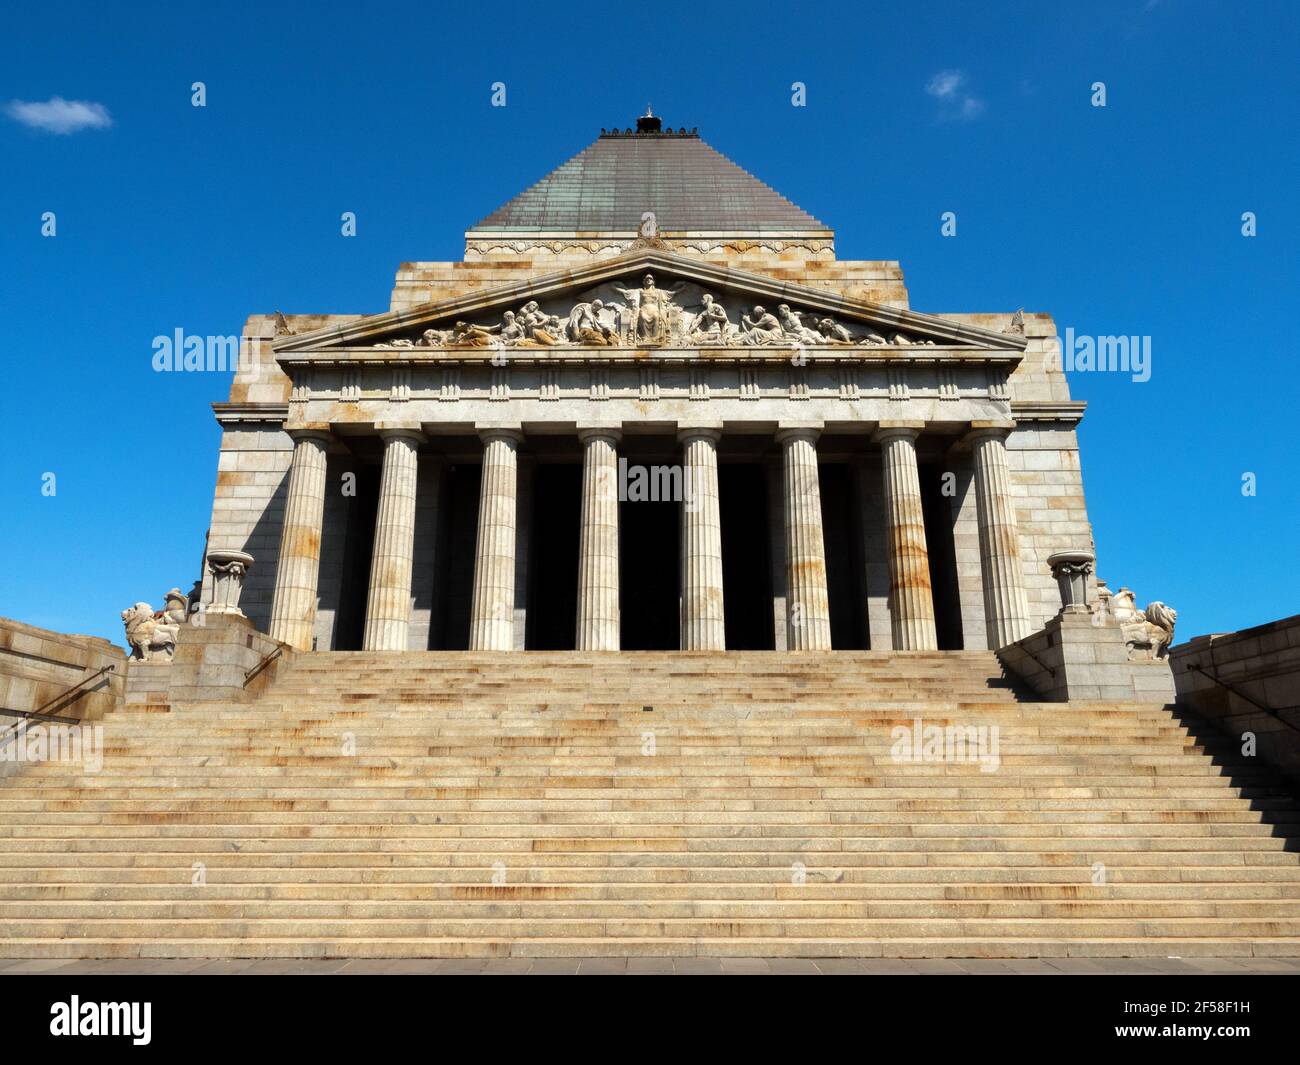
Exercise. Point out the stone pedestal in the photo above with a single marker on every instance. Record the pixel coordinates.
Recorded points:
(228, 569)
(293, 610)
(911, 601)
(703, 626)
(388, 601)
(224, 660)
(1082, 657)
(808, 613)
(1071, 569)
(1006, 608)
(492, 619)
(598, 609)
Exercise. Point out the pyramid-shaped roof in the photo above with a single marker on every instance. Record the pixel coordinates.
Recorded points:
(688, 185)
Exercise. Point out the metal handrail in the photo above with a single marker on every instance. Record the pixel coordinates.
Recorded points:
(40, 712)
(265, 661)
(44, 717)
(1041, 664)
(1270, 711)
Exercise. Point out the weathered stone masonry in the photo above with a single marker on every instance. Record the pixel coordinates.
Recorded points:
(913, 471)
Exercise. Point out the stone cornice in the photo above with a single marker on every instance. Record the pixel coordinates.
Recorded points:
(891, 355)
(234, 413)
(669, 235)
(1065, 410)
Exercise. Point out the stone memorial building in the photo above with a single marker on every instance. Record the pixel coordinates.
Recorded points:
(648, 582)
(649, 409)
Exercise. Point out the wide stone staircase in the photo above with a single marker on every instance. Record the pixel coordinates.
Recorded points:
(454, 804)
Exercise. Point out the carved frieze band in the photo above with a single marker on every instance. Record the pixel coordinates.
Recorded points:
(849, 389)
(400, 392)
(649, 384)
(601, 382)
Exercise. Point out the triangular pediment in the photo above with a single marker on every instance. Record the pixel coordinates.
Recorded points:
(647, 297)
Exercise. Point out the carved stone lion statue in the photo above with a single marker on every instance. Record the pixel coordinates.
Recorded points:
(151, 636)
(1147, 633)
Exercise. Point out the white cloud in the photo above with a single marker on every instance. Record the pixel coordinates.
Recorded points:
(945, 83)
(57, 115)
(949, 88)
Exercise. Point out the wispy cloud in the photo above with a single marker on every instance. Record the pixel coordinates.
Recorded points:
(57, 115)
(949, 87)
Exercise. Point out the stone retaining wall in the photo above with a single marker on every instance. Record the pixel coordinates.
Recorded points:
(1247, 681)
(37, 665)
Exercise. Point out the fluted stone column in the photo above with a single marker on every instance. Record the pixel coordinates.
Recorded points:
(388, 602)
(293, 609)
(1006, 608)
(492, 615)
(808, 612)
(598, 614)
(911, 602)
(703, 627)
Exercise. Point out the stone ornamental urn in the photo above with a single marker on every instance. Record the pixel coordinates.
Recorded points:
(228, 569)
(1071, 569)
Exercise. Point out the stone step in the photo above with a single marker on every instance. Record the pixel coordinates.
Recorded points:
(479, 877)
(689, 825)
(721, 927)
(768, 769)
(764, 792)
(487, 911)
(1223, 822)
(447, 888)
(871, 737)
(1224, 946)
(485, 854)
(97, 809)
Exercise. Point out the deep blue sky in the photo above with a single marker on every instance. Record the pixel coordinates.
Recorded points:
(1122, 220)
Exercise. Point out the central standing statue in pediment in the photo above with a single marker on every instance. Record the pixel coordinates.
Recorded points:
(652, 308)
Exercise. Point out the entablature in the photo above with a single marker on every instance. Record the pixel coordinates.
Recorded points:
(891, 355)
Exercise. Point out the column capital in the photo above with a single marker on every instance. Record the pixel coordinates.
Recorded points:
(399, 430)
(889, 430)
(309, 431)
(491, 433)
(712, 433)
(981, 429)
(612, 433)
(811, 433)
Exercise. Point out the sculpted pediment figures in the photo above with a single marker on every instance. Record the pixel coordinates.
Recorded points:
(652, 310)
(646, 298)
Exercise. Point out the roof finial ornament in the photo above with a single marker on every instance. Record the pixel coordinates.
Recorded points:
(648, 123)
